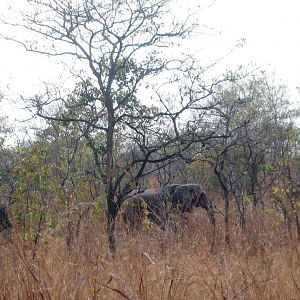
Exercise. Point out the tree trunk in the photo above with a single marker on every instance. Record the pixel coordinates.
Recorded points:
(223, 184)
(111, 206)
(226, 219)
(111, 213)
(241, 209)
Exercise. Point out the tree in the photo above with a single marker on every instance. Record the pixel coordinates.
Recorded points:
(256, 120)
(119, 43)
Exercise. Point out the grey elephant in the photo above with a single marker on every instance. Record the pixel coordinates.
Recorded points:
(158, 205)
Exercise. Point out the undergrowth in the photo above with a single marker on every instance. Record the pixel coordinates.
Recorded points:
(262, 262)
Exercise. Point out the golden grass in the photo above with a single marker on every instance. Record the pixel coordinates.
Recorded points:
(262, 263)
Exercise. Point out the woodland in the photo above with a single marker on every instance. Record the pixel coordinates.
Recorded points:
(139, 116)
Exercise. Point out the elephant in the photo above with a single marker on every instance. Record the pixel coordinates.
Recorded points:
(158, 205)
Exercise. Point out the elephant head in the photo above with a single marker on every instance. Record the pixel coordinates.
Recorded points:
(187, 196)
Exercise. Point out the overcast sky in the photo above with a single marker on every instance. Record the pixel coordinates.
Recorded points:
(270, 28)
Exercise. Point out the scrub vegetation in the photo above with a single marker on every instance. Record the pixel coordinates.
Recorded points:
(138, 118)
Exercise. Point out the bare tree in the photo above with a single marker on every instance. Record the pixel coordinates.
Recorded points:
(119, 43)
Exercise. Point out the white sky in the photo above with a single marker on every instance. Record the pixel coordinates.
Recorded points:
(270, 27)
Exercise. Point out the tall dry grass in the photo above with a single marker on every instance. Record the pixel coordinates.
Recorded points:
(262, 263)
